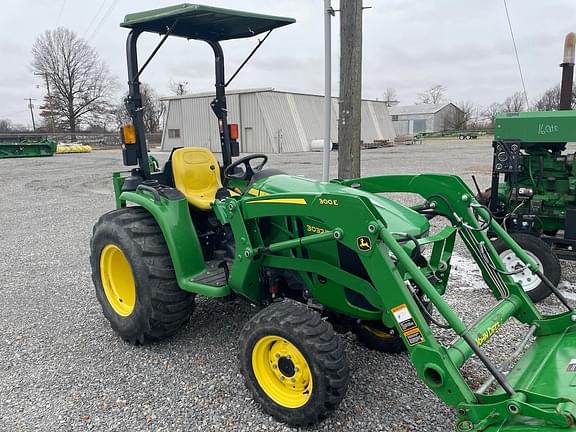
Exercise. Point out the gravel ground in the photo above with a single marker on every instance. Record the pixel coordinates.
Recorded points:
(62, 368)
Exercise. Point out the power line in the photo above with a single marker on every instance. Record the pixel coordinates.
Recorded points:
(516, 52)
(13, 113)
(102, 20)
(95, 16)
(60, 13)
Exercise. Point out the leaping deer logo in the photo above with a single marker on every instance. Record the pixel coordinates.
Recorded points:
(364, 243)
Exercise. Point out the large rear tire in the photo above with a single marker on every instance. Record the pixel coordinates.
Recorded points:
(293, 363)
(542, 254)
(134, 277)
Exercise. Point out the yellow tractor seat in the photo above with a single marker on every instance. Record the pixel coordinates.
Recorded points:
(196, 175)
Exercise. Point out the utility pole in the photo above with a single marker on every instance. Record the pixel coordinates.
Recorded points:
(328, 14)
(31, 112)
(350, 112)
(45, 75)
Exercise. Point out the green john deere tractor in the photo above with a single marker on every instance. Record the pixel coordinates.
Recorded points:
(317, 257)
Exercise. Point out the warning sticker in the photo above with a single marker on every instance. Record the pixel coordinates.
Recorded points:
(401, 313)
(407, 325)
(414, 336)
(571, 366)
(404, 318)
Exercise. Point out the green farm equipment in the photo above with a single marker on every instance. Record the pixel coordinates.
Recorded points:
(535, 179)
(22, 146)
(316, 257)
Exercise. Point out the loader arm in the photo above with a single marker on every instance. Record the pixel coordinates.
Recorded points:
(394, 277)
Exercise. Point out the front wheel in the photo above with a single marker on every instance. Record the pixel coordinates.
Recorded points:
(540, 252)
(293, 363)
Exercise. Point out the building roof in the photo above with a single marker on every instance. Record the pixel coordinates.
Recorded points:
(212, 93)
(418, 109)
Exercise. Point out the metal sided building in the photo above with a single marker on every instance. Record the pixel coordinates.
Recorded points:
(413, 119)
(270, 121)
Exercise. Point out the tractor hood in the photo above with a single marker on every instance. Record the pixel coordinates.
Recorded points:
(398, 217)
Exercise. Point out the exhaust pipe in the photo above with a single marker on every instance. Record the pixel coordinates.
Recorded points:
(567, 72)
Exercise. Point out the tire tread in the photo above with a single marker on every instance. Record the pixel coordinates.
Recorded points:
(319, 338)
(170, 306)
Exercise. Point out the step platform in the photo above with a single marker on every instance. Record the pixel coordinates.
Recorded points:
(215, 274)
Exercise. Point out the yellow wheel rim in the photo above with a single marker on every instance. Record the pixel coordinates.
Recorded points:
(282, 371)
(379, 333)
(117, 280)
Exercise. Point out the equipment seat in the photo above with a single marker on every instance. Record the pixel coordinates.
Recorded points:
(196, 175)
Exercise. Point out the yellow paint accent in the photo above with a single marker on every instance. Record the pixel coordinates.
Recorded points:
(196, 175)
(117, 280)
(287, 391)
(257, 192)
(300, 201)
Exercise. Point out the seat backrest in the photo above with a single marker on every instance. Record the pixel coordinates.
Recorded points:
(196, 175)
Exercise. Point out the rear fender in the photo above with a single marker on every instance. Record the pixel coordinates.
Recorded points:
(173, 217)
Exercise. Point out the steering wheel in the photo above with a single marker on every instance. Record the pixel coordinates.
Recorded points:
(246, 172)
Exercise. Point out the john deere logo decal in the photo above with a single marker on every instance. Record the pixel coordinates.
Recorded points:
(364, 243)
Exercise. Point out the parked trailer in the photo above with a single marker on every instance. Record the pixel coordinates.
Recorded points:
(17, 147)
(468, 134)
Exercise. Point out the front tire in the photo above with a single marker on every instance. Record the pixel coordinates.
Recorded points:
(293, 363)
(542, 254)
(134, 277)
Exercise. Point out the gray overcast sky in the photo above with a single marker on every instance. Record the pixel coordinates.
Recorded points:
(408, 45)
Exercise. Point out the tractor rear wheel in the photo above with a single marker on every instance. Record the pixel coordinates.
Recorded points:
(134, 277)
(293, 363)
(544, 257)
(376, 336)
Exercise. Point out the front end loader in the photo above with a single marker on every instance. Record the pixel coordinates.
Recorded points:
(318, 258)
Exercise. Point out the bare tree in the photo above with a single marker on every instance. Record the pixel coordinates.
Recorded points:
(179, 88)
(433, 95)
(81, 84)
(489, 113)
(550, 100)
(390, 97)
(5, 125)
(154, 110)
(514, 103)
(460, 118)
